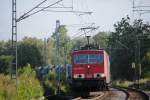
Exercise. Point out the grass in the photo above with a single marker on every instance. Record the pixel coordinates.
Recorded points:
(142, 84)
(28, 86)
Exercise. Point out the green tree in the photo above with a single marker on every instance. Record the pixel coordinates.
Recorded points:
(123, 44)
(29, 87)
(5, 64)
(50, 51)
(5, 47)
(101, 39)
(65, 45)
(30, 50)
(146, 64)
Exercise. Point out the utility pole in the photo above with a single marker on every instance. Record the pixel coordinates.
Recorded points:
(65, 56)
(65, 53)
(45, 51)
(57, 52)
(14, 74)
(136, 61)
(139, 61)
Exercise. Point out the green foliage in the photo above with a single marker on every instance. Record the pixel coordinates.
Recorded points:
(50, 51)
(123, 44)
(7, 88)
(28, 86)
(79, 42)
(50, 86)
(146, 62)
(101, 39)
(65, 88)
(51, 83)
(5, 64)
(65, 47)
(27, 71)
(5, 58)
(30, 51)
(52, 75)
(5, 48)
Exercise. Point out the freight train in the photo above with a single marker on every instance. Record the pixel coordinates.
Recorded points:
(90, 68)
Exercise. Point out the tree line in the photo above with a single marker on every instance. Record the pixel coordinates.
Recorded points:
(123, 45)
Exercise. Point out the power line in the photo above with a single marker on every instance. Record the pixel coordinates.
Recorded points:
(32, 11)
(79, 12)
(42, 9)
(141, 9)
(14, 67)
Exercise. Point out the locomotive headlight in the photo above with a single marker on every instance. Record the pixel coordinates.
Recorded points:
(99, 75)
(79, 76)
(75, 76)
(102, 75)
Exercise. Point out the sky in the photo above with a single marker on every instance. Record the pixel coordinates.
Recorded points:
(41, 25)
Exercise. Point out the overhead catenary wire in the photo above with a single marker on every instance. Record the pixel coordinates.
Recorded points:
(69, 11)
(32, 12)
(88, 28)
(28, 15)
(141, 7)
(79, 25)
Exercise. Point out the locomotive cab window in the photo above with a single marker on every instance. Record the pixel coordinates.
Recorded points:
(88, 59)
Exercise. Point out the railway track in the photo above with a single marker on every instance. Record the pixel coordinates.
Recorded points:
(93, 96)
(116, 94)
(112, 94)
(134, 94)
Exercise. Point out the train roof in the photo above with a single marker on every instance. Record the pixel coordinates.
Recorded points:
(89, 47)
(89, 50)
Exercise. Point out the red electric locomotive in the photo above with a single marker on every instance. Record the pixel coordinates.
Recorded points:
(90, 68)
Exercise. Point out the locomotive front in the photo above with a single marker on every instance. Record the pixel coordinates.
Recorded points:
(89, 69)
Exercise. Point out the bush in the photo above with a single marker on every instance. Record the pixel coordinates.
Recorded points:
(27, 71)
(5, 64)
(51, 83)
(28, 86)
(7, 88)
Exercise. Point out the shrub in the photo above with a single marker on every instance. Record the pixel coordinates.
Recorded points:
(5, 64)
(7, 88)
(28, 86)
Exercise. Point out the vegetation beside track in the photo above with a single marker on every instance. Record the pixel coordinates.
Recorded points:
(28, 86)
(143, 85)
(50, 83)
(140, 86)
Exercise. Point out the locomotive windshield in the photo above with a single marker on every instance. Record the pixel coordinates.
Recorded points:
(88, 59)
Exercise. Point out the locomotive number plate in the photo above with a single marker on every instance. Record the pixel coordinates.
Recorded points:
(89, 76)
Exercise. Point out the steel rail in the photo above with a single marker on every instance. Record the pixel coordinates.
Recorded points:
(128, 91)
